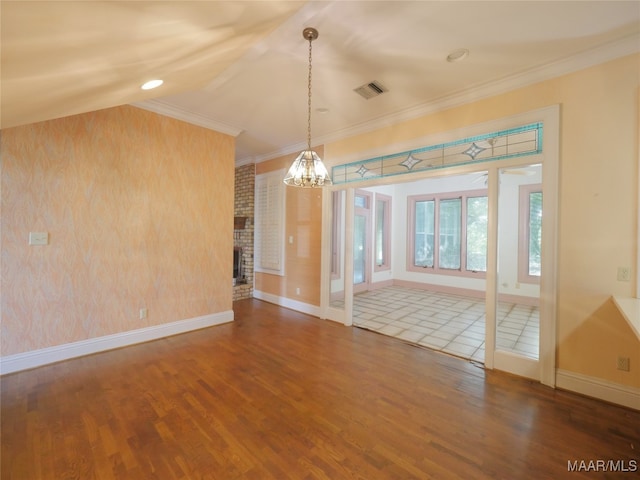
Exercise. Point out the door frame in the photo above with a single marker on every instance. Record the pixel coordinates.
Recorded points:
(545, 370)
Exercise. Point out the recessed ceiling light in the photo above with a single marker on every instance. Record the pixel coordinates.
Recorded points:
(457, 55)
(151, 84)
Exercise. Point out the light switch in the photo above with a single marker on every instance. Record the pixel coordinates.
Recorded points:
(38, 238)
(290, 239)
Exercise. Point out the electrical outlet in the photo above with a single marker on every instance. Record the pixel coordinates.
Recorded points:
(38, 238)
(143, 313)
(624, 274)
(623, 364)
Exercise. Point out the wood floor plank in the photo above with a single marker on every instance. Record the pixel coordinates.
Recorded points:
(281, 395)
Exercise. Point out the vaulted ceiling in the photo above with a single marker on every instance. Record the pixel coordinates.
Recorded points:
(240, 67)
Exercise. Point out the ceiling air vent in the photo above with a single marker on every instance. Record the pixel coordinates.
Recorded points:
(370, 90)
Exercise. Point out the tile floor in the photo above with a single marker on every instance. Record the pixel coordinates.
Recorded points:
(451, 323)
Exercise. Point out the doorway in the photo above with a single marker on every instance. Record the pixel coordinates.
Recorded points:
(439, 237)
(495, 356)
(432, 293)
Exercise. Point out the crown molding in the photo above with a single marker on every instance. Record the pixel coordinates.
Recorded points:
(625, 46)
(610, 51)
(163, 108)
(244, 161)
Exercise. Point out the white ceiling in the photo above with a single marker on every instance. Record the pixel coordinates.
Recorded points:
(240, 67)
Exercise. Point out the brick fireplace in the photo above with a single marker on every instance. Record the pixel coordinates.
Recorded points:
(243, 232)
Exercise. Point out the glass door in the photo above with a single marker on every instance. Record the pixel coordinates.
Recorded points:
(517, 306)
(361, 241)
(336, 244)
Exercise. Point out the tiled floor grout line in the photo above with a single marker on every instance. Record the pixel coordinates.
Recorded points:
(443, 310)
(476, 349)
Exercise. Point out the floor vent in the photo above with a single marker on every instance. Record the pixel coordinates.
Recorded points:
(370, 90)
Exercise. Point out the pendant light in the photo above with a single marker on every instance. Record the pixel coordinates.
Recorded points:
(307, 169)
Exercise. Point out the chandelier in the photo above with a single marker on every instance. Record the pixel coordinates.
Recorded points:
(307, 170)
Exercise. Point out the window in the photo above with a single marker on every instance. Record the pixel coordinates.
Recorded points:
(424, 236)
(477, 208)
(383, 233)
(460, 245)
(530, 233)
(449, 226)
(269, 223)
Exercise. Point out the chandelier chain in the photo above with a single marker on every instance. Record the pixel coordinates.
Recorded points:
(309, 99)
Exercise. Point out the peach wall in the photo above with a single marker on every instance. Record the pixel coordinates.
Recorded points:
(139, 210)
(302, 257)
(598, 207)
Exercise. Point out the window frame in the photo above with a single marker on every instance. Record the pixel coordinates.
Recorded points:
(386, 233)
(524, 212)
(437, 197)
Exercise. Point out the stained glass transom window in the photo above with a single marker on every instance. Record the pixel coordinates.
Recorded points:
(514, 142)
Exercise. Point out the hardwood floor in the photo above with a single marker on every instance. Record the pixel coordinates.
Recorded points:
(281, 395)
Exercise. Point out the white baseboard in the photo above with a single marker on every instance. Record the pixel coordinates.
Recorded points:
(597, 388)
(45, 356)
(288, 303)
